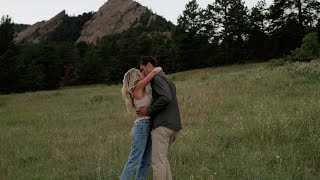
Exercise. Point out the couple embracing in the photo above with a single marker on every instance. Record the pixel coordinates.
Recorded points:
(157, 123)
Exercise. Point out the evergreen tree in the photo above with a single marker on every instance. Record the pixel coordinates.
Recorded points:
(258, 16)
(6, 34)
(290, 21)
(239, 29)
(232, 20)
(8, 72)
(69, 29)
(91, 69)
(277, 15)
(187, 40)
(257, 44)
(311, 13)
(47, 56)
(305, 12)
(210, 24)
(318, 29)
(191, 17)
(185, 54)
(31, 75)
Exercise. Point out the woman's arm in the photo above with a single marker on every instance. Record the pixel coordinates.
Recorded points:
(145, 81)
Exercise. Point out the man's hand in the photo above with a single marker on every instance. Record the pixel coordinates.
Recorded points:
(142, 111)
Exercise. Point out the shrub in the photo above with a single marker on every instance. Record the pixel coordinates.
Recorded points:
(277, 62)
(310, 48)
(307, 69)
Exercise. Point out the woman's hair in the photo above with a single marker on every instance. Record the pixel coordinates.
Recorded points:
(130, 80)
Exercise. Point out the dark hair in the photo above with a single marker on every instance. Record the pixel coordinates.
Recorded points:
(144, 60)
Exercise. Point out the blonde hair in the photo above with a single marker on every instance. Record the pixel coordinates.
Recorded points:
(130, 79)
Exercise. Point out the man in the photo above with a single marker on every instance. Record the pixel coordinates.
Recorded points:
(165, 114)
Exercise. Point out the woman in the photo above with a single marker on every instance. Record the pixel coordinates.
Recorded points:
(135, 95)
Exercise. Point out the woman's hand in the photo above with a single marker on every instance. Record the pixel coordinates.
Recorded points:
(146, 80)
(157, 69)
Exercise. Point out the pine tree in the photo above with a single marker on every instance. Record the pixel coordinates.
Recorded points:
(258, 16)
(210, 25)
(187, 39)
(190, 18)
(232, 22)
(305, 12)
(6, 34)
(311, 13)
(318, 29)
(257, 44)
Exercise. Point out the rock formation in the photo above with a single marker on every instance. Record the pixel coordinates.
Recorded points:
(36, 32)
(114, 16)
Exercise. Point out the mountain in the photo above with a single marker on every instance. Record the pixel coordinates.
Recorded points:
(36, 32)
(115, 16)
(20, 27)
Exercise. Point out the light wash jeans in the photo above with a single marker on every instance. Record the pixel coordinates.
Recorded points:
(140, 156)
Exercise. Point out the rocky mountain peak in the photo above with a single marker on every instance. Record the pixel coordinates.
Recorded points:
(115, 16)
(34, 33)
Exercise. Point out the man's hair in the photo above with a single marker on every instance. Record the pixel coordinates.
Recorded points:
(144, 60)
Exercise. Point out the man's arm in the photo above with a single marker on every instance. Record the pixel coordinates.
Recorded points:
(161, 87)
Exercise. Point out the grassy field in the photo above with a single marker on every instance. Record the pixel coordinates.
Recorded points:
(249, 121)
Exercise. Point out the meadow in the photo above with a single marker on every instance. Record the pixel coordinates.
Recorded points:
(252, 121)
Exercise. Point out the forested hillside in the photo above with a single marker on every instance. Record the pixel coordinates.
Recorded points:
(226, 32)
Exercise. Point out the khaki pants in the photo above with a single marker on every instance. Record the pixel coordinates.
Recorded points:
(162, 137)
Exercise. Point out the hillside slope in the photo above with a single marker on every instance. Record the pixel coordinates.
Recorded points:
(249, 121)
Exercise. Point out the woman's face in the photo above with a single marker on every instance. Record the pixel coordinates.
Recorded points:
(141, 75)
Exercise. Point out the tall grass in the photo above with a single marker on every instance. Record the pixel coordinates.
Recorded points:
(239, 122)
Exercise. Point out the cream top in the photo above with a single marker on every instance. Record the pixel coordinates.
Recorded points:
(145, 101)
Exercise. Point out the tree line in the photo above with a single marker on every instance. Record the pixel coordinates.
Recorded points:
(225, 32)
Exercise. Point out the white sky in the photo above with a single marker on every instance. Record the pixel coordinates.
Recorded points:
(32, 11)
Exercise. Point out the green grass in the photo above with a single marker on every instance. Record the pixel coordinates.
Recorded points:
(249, 121)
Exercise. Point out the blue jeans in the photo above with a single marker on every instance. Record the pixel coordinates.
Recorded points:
(140, 156)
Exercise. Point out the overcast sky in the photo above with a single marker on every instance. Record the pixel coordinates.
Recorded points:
(32, 11)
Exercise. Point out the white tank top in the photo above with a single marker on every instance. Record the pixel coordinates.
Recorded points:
(145, 101)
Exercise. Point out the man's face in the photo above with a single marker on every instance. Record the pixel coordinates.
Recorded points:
(145, 70)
